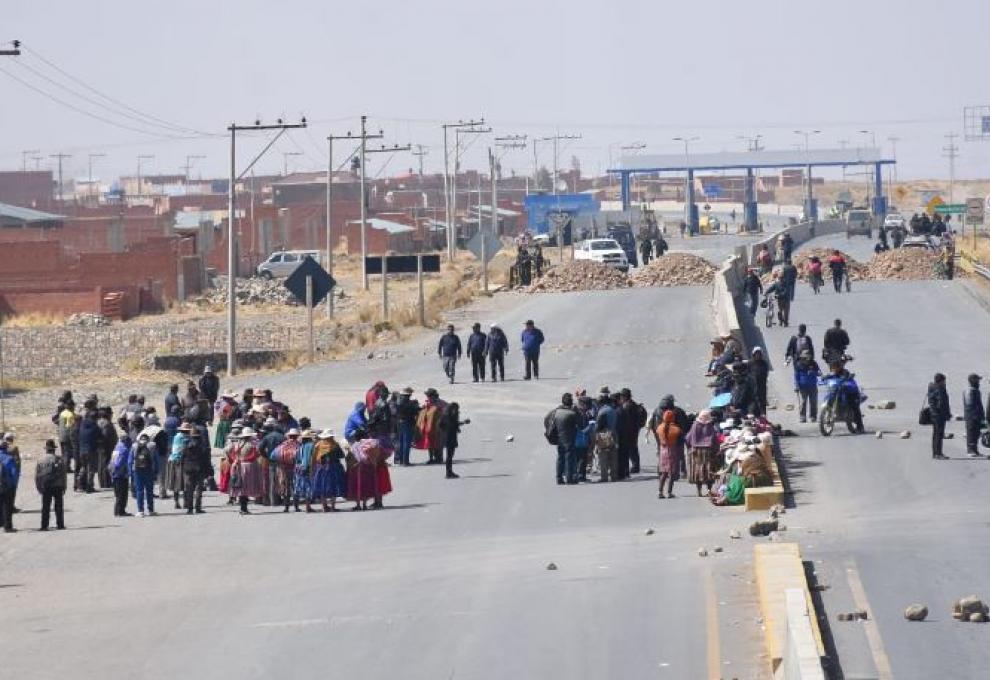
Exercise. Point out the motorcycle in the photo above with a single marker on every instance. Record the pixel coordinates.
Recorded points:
(842, 398)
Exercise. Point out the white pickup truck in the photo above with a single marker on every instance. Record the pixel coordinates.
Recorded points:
(604, 250)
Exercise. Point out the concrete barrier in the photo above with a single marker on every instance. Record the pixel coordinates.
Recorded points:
(779, 570)
(800, 233)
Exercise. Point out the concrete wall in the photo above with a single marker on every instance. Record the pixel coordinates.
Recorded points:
(800, 233)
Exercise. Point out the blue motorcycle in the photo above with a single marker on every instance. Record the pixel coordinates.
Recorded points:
(842, 400)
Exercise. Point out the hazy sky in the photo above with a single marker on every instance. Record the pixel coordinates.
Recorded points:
(616, 72)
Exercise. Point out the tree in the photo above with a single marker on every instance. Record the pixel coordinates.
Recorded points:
(544, 181)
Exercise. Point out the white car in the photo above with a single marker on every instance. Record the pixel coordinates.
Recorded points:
(282, 263)
(604, 250)
(894, 220)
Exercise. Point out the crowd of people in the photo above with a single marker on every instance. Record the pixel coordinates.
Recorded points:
(267, 455)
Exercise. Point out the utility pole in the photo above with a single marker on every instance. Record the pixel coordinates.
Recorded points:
(90, 176)
(330, 140)
(494, 160)
(457, 166)
(364, 201)
(364, 151)
(60, 157)
(419, 153)
(189, 164)
(144, 157)
(951, 152)
(451, 238)
(556, 139)
(285, 160)
(234, 128)
(24, 157)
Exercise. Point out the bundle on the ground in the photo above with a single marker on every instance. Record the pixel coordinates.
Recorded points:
(675, 269)
(579, 275)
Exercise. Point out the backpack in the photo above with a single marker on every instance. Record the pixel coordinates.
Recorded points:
(641, 416)
(143, 458)
(550, 428)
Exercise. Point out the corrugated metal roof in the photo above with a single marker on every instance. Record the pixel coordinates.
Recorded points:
(26, 215)
(750, 159)
(386, 225)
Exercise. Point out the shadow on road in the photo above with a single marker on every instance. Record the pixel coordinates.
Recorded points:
(830, 662)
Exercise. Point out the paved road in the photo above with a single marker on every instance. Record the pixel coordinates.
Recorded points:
(450, 580)
(886, 525)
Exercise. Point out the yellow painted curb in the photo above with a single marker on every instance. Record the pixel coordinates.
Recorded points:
(778, 567)
(765, 497)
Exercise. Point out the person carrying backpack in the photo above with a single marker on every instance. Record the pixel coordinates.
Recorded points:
(144, 469)
(606, 438)
(9, 476)
(49, 478)
(119, 468)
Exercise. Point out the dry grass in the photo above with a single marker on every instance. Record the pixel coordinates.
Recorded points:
(34, 319)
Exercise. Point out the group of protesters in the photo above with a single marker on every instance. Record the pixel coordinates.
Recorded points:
(267, 455)
(721, 450)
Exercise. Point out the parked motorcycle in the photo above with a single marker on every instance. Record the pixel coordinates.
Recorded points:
(842, 399)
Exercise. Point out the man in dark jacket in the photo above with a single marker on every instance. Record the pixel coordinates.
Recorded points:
(632, 418)
(798, 344)
(406, 412)
(752, 289)
(195, 469)
(759, 369)
(209, 389)
(89, 442)
(108, 440)
(10, 475)
(531, 339)
(938, 407)
(49, 479)
(789, 275)
(835, 342)
(974, 415)
(565, 419)
(743, 389)
(476, 352)
(786, 247)
(171, 399)
(806, 375)
(496, 348)
(449, 351)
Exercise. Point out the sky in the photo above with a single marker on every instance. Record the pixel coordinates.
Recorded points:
(128, 79)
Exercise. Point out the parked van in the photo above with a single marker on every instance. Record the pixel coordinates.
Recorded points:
(282, 263)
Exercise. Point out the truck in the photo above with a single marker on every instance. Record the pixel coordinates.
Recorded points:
(622, 233)
(859, 222)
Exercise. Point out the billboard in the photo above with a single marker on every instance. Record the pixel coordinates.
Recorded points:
(543, 209)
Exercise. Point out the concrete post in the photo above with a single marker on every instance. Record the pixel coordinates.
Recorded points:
(690, 209)
(624, 189)
(810, 204)
(879, 200)
(750, 206)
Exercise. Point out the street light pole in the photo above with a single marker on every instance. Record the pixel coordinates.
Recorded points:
(447, 185)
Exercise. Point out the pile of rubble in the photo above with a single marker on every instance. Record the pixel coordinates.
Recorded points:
(675, 269)
(856, 269)
(87, 320)
(253, 291)
(579, 275)
(905, 264)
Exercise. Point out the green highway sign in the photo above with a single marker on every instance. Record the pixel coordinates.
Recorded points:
(951, 209)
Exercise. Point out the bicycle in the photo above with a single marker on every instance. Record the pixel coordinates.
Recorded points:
(771, 307)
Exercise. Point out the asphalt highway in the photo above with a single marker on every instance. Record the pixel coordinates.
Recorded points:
(450, 580)
(884, 524)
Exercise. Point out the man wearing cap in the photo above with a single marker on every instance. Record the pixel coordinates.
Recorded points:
(531, 339)
(449, 351)
(476, 345)
(49, 478)
(174, 474)
(144, 469)
(938, 407)
(195, 469)
(496, 348)
(406, 412)
(974, 415)
(209, 386)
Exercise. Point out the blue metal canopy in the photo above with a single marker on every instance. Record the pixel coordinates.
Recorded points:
(742, 160)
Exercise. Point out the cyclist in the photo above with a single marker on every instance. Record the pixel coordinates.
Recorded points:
(782, 296)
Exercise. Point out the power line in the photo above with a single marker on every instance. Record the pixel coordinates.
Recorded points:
(92, 89)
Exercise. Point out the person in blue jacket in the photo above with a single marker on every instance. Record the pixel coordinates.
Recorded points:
(806, 376)
(10, 475)
(143, 465)
(532, 338)
(356, 426)
(120, 473)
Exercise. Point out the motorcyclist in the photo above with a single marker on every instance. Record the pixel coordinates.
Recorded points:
(835, 342)
(837, 264)
(837, 369)
(782, 294)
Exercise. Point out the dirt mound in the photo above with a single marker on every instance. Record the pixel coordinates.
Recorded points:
(675, 269)
(906, 264)
(856, 269)
(579, 275)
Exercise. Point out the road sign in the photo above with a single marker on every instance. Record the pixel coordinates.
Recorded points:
(402, 264)
(492, 245)
(322, 282)
(933, 203)
(950, 209)
(974, 211)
